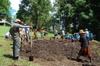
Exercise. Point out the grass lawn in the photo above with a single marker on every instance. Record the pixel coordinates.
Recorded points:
(3, 30)
(6, 52)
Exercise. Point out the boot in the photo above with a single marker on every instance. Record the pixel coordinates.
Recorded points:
(15, 58)
(78, 59)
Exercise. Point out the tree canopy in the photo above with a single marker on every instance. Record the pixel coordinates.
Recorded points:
(4, 8)
(79, 13)
(35, 11)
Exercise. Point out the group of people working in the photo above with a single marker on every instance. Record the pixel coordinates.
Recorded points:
(15, 29)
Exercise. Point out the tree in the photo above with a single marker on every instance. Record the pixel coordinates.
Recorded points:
(75, 12)
(4, 8)
(82, 14)
(37, 11)
(24, 13)
(95, 6)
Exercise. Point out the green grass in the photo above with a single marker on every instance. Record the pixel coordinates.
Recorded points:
(3, 30)
(49, 35)
(6, 52)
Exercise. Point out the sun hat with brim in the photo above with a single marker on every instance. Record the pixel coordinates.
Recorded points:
(81, 32)
(18, 21)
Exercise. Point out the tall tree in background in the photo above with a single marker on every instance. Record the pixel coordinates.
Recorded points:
(4, 8)
(82, 14)
(95, 6)
(37, 11)
(24, 11)
(76, 12)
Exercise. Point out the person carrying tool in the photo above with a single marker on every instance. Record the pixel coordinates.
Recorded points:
(15, 33)
(85, 49)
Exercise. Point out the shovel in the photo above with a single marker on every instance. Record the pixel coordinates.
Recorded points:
(31, 56)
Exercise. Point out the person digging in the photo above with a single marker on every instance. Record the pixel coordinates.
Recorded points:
(85, 49)
(15, 33)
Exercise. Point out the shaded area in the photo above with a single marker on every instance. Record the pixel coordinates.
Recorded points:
(87, 64)
(8, 56)
(0, 45)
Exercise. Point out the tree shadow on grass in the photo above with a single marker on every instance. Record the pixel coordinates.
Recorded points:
(8, 56)
(74, 59)
(11, 44)
(0, 45)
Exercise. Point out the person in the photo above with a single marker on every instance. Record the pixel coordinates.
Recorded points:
(38, 34)
(85, 49)
(15, 33)
(87, 33)
(27, 30)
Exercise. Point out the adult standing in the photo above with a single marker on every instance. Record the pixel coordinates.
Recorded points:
(85, 50)
(87, 33)
(15, 33)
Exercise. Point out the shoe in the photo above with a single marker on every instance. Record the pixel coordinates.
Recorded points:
(78, 59)
(30, 58)
(15, 58)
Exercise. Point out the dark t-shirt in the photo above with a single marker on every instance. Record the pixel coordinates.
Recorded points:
(84, 41)
(14, 30)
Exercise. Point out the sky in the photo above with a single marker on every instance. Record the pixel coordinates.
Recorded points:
(52, 1)
(15, 5)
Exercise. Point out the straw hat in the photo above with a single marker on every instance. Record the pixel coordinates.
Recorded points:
(81, 31)
(18, 21)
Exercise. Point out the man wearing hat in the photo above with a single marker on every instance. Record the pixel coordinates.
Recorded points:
(14, 31)
(84, 51)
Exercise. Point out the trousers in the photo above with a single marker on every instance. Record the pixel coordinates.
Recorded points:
(16, 46)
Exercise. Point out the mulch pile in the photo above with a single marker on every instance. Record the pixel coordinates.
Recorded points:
(52, 50)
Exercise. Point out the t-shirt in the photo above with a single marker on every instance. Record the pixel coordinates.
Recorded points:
(84, 41)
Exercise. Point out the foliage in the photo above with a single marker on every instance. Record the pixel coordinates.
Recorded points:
(37, 11)
(23, 12)
(4, 8)
(95, 26)
(81, 13)
(75, 8)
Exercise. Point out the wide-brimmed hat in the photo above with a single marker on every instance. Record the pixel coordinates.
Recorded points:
(82, 31)
(18, 21)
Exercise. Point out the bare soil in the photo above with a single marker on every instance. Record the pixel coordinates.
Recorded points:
(58, 53)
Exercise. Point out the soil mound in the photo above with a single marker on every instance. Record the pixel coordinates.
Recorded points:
(52, 50)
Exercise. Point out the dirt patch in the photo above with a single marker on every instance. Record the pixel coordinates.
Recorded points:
(56, 51)
(64, 62)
